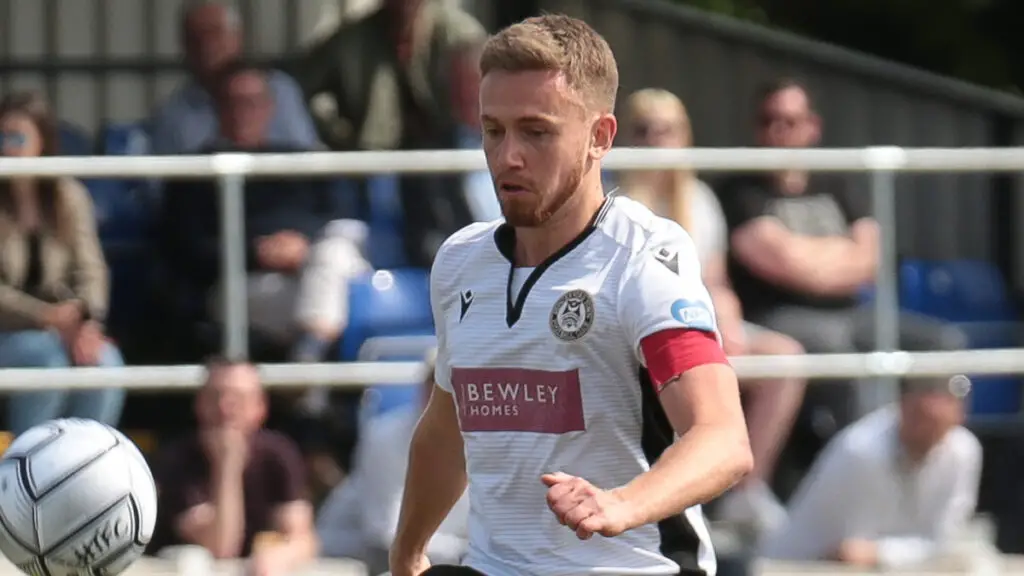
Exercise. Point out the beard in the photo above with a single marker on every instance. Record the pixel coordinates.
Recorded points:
(534, 209)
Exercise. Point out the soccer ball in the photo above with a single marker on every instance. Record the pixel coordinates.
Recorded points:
(76, 499)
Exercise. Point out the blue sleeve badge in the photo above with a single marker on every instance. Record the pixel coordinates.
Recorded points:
(694, 315)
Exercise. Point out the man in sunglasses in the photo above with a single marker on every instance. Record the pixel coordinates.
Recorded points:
(802, 248)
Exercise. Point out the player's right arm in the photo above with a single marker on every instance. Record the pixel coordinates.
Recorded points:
(437, 468)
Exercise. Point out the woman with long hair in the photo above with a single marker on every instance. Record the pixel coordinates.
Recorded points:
(53, 278)
(658, 119)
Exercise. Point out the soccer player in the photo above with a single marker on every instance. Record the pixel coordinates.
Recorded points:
(580, 386)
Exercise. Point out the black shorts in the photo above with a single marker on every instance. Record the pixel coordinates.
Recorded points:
(443, 570)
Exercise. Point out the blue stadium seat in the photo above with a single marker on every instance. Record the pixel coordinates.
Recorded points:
(125, 208)
(127, 139)
(386, 243)
(124, 222)
(344, 198)
(126, 213)
(386, 303)
(973, 296)
(73, 140)
(959, 291)
(382, 398)
(384, 200)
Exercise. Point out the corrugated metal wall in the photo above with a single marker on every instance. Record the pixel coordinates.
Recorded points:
(114, 59)
(716, 65)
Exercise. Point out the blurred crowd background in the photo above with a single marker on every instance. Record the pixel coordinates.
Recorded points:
(113, 272)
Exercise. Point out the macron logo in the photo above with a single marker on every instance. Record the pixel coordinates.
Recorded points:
(669, 259)
(466, 299)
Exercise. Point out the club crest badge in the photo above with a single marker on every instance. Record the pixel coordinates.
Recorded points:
(572, 316)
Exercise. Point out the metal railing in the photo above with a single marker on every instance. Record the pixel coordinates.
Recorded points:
(231, 169)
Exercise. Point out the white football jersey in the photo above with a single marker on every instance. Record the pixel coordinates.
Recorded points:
(547, 374)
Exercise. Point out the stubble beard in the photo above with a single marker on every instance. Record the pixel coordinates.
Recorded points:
(535, 210)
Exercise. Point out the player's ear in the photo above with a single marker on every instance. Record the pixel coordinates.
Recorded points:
(603, 135)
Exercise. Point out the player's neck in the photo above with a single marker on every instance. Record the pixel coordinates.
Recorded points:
(535, 245)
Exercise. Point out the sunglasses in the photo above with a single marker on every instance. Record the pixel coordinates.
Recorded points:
(14, 140)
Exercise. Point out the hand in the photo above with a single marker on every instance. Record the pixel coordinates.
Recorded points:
(226, 446)
(285, 250)
(267, 561)
(63, 317)
(734, 339)
(402, 565)
(86, 344)
(584, 507)
(858, 552)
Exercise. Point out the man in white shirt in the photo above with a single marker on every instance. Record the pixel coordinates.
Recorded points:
(359, 518)
(892, 489)
(582, 391)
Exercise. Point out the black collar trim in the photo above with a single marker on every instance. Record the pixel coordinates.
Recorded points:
(505, 239)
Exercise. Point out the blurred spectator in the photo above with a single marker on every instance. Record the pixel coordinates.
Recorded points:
(384, 81)
(657, 118)
(298, 268)
(802, 250)
(391, 80)
(211, 35)
(54, 293)
(892, 490)
(478, 187)
(232, 483)
(360, 517)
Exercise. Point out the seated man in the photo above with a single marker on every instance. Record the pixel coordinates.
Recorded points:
(298, 270)
(893, 489)
(212, 34)
(801, 250)
(360, 517)
(231, 481)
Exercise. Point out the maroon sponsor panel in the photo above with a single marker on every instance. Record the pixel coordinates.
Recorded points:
(518, 400)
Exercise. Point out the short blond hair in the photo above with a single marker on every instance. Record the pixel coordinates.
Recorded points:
(555, 42)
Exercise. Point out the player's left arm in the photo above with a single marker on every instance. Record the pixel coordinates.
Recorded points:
(667, 313)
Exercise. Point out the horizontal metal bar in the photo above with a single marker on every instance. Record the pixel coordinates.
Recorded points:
(93, 65)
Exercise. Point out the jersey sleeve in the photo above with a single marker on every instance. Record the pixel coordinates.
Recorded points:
(662, 289)
(439, 302)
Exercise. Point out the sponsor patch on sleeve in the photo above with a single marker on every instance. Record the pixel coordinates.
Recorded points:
(694, 315)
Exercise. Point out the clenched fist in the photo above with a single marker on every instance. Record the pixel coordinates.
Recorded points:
(585, 508)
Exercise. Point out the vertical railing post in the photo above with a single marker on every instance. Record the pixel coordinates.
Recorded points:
(887, 304)
(233, 272)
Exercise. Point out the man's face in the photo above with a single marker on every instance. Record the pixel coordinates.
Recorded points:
(786, 120)
(539, 140)
(212, 39)
(246, 108)
(927, 416)
(232, 397)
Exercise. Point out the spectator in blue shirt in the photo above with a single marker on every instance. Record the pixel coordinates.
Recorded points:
(187, 121)
(299, 265)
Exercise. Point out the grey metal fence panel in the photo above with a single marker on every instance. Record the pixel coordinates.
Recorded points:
(716, 64)
(102, 60)
(114, 60)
